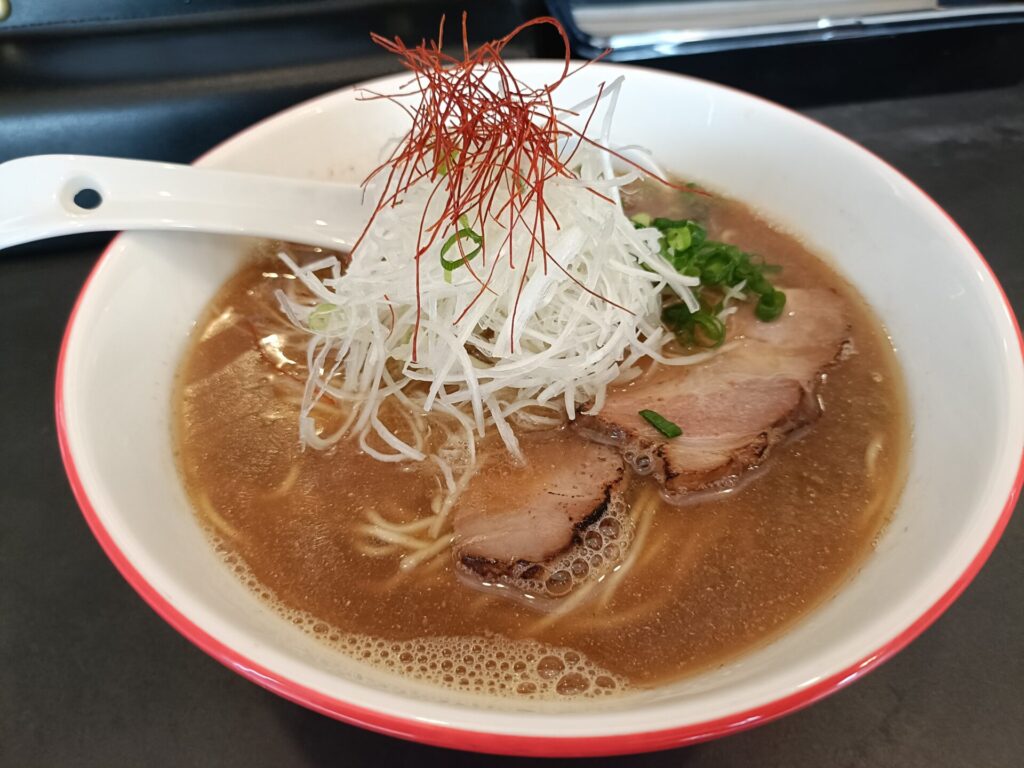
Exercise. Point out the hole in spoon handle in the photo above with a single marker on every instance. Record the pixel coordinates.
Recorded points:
(88, 199)
(81, 196)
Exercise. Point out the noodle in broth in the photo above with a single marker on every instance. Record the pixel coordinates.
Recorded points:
(361, 550)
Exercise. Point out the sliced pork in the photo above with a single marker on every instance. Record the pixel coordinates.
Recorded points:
(511, 515)
(733, 408)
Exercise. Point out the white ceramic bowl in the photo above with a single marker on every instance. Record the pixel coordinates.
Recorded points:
(955, 335)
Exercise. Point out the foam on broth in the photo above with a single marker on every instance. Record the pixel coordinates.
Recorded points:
(708, 580)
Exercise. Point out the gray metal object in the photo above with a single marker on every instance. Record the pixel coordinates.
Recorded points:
(658, 28)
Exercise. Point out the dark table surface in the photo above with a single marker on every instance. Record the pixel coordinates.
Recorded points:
(90, 676)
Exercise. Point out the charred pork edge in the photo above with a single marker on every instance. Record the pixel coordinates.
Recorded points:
(491, 568)
(745, 459)
(808, 410)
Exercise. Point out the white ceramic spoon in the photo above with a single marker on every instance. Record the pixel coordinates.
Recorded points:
(49, 195)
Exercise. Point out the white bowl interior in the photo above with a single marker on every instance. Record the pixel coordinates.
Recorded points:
(952, 331)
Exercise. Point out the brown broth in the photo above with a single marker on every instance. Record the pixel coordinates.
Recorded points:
(714, 578)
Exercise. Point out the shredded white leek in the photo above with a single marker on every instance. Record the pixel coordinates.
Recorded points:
(570, 336)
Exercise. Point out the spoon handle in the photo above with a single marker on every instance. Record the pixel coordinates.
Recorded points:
(49, 195)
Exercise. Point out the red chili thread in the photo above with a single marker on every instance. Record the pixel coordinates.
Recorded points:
(471, 139)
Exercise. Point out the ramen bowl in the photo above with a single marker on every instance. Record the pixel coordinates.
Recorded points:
(952, 328)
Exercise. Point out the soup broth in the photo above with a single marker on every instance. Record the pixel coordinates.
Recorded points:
(705, 580)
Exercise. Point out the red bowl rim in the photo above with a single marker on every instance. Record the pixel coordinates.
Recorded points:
(515, 744)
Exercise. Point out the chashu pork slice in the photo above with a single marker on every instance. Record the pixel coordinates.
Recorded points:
(513, 515)
(733, 408)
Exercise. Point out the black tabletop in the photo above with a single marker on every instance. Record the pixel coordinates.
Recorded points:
(90, 676)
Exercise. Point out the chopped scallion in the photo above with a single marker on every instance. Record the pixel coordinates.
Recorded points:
(676, 316)
(442, 166)
(678, 238)
(320, 318)
(719, 267)
(711, 327)
(660, 423)
(464, 233)
(770, 305)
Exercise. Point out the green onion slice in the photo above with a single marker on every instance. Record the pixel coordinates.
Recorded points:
(770, 305)
(465, 233)
(442, 166)
(712, 328)
(660, 423)
(320, 318)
